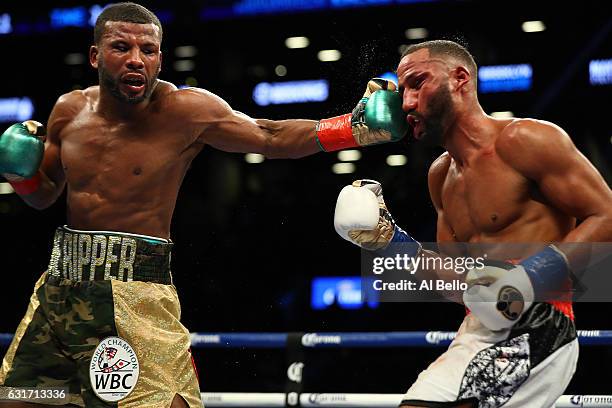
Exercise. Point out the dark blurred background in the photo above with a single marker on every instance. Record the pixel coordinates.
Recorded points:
(251, 237)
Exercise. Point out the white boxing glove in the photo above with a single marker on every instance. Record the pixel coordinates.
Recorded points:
(361, 215)
(499, 294)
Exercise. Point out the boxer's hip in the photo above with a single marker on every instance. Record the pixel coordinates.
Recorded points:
(105, 255)
(94, 277)
(494, 366)
(101, 286)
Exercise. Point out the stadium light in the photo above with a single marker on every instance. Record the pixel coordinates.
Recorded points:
(184, 65)
(533, 26)
(343, 168)
(5, 188)
(297, 42)
(416, 33)
(280, 70)
(503, 114)
(329, 55)
(396, 160)
(254, 158)
(185, 51)
(349, 155)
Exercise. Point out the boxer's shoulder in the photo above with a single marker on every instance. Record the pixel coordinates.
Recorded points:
(68, 106)
(169, 95)
(529, 133)
(76, 100)
(441, 163)
(527, 140)
(163, 89)
(195, 104)
(436, 176)
(439, 167)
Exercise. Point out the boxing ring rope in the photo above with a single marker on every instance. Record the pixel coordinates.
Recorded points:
(340, 400)
(359, 339)
(349, 339)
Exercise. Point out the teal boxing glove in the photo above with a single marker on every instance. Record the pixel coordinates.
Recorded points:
(22, 148)
(377, 118)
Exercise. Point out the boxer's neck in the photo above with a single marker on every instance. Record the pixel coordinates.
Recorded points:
(470, 132)
(112, 108)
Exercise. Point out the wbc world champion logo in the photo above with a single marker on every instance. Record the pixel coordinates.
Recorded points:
(114, 369)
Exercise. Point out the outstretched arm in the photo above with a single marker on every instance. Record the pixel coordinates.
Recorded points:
(233, 131)
(378, 118)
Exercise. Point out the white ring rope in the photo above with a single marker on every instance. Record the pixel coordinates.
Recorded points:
(331, 400)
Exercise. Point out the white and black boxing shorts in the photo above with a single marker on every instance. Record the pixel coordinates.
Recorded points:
(529, 365)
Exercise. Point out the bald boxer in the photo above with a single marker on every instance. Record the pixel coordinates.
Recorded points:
(103, 321)
(499, 181)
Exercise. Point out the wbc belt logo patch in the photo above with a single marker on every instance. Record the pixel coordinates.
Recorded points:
(114, 369)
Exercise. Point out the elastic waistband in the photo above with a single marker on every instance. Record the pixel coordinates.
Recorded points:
(104, 255)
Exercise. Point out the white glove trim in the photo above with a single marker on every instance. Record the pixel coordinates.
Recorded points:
(357, 208)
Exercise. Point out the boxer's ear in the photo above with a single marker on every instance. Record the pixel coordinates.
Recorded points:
(460, 77)
(93, 56)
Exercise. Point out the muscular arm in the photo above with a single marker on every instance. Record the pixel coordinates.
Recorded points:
(432, 267)
(435, 180)
(444, 235)
(544, 153)
(51, 172)
(226, 129)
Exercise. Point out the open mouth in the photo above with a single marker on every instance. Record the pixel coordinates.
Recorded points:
(412, 120)
(133, 82)
(415, 124)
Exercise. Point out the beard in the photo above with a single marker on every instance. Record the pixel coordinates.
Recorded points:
(111, 83)
(440, 112)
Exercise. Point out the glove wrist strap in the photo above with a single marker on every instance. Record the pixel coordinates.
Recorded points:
(27, 186)
(401, 243)
(336, 133)
(548, 270)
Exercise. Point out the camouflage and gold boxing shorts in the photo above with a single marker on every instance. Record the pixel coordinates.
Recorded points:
(103, 322)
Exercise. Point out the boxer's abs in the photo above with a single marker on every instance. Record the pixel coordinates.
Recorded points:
(133, 190)
(145, 214)
(509, 224)
(131, 187)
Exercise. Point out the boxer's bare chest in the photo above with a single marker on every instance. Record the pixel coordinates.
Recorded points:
(484, 198)
(111, 154)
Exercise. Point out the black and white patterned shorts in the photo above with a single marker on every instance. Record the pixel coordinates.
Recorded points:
(529, 365)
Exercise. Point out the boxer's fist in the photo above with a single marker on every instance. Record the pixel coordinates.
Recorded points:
(361, 215)
(21, 150)
(377, 118)
(498, 294)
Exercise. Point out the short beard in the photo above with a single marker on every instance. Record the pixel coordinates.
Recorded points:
(112, 84)
(439, 114)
